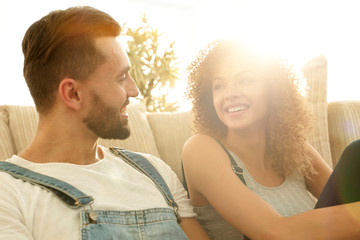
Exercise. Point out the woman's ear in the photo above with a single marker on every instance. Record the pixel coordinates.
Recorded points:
(69, 93)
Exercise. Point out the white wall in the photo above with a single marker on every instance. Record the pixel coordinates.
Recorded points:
(296, 29)
(16, 16)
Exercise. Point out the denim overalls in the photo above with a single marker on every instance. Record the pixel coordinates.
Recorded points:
(155, 223)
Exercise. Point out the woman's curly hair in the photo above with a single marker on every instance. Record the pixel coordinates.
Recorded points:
(287, 116)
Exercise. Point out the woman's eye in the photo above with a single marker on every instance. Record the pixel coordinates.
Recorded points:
(246, 80)
(218, 86)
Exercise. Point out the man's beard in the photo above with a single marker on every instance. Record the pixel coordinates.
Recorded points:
(105, 122)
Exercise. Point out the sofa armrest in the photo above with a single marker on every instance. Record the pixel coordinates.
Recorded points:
(344, 125)
(7, 148)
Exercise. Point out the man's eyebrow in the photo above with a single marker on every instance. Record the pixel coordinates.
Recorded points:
(123, 71)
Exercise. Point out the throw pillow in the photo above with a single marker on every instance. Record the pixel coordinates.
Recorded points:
(315, 72)
(170, 131)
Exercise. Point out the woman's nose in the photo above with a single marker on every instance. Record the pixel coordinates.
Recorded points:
(233, 91)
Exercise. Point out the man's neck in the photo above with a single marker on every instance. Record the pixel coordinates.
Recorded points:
(66, 143)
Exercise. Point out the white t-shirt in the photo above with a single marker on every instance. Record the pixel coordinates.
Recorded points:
(29, 212)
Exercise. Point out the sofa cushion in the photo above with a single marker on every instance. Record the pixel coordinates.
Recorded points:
(170, 131)
(344, 125)
(6, 142)
(23, 123)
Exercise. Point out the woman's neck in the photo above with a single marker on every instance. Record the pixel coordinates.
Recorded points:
(251, 151)
(249, 147)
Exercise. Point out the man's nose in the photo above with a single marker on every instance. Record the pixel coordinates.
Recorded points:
(132, 90)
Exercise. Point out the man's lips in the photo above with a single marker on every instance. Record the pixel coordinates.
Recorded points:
(123, 111)
(124, 114)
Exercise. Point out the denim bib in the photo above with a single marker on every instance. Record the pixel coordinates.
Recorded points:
(155, 223)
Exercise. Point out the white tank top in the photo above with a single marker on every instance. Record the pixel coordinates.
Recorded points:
(289, 198)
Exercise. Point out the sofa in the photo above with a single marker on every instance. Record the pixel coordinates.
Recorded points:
(335, 125)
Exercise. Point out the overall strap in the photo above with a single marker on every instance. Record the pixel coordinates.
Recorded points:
(72, 196)
(144, 166)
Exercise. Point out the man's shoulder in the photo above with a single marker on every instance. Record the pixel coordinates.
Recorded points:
(10, 159)
(162, 167)
(8, 181)
(3, 173)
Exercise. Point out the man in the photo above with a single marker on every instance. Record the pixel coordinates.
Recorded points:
(78, 76)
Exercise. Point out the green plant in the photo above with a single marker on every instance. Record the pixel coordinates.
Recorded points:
(153, 69)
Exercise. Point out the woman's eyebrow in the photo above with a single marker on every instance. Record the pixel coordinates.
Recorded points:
(246, 72)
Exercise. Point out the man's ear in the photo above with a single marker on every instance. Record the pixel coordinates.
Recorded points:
(69, 93)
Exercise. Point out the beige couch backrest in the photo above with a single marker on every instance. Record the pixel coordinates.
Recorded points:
(159, 134)
(18, 125)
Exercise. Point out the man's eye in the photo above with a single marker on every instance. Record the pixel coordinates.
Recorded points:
(122, 77)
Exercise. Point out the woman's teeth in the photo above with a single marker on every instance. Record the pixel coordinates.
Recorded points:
(237, 109)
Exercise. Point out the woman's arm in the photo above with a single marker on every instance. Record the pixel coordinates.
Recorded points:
(193, 230)
(209, 175)
(338, 222)
(315, 184)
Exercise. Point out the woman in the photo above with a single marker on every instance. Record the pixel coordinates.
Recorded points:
(247, 108)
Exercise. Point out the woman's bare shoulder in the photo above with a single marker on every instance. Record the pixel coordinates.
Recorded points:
(199, 140)
(199, 144)
(201, 149)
